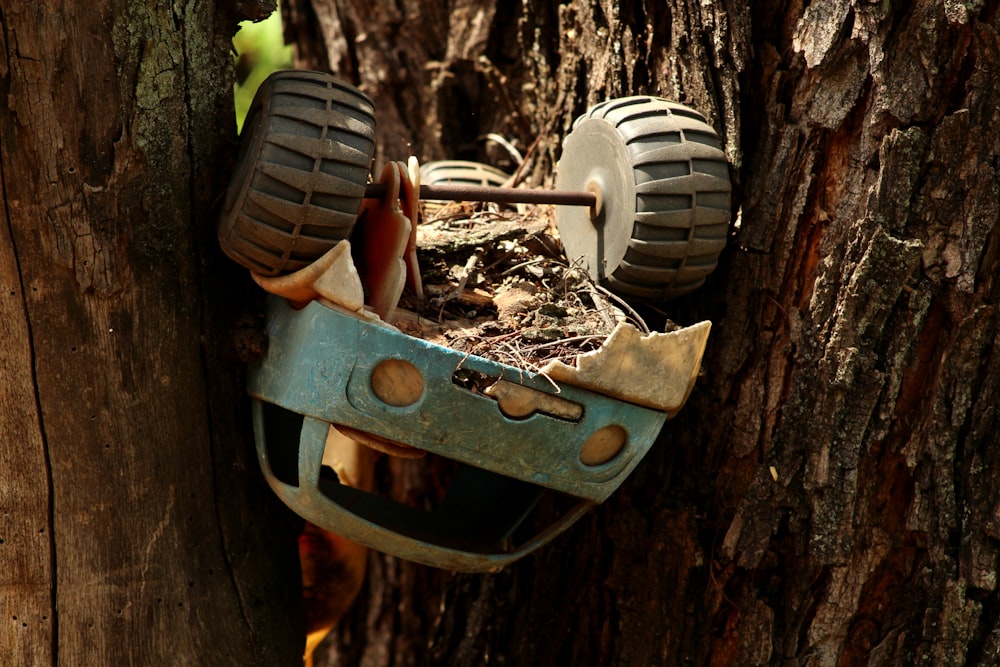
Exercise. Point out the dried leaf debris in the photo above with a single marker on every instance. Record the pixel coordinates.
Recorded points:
(498, 286)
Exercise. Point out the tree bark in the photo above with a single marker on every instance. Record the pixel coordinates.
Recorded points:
(136, 527)
(826, 496)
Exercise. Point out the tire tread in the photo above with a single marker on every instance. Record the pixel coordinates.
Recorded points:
(683, 196)
(302, 180)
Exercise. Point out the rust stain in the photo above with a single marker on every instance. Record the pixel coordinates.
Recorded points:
(825, 196)
(892, 499)
(988, 264)
(919, 377)
(724, 651)
(879, 598)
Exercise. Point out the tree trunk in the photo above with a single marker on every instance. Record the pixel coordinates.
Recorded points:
(136, 527)
(827, 496)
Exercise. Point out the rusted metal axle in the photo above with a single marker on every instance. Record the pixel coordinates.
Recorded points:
(457, 192)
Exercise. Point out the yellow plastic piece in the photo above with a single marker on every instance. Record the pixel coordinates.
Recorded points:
(332, 277)
(655, 370)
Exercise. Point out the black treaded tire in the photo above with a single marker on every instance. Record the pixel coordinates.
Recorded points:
(305, 155)
(663, 183)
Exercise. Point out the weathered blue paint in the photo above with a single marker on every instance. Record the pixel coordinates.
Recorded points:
(319, 364)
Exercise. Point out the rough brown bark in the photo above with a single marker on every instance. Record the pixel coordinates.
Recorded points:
(136, 528)
(827, 495)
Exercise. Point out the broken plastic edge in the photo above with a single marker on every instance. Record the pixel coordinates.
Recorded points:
(655, 370)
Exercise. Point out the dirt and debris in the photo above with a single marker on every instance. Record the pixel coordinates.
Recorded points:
(498, 286)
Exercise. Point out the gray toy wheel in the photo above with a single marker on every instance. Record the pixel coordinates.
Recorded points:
(457, 172)
(463, 172)
(662, 184)
(298, 182)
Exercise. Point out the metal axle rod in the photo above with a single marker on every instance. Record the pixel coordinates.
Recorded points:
(456, 192)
